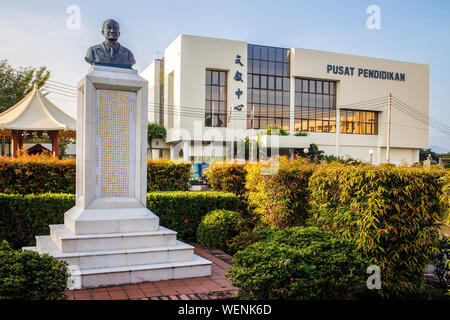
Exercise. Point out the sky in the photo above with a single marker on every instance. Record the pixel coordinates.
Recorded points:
(44, 33)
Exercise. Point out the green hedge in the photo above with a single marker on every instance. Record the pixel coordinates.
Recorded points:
(167, 175)
(22, 217)
(42, 174)
(392, 213)
(281, 199)
(36, 174)
(183, 211)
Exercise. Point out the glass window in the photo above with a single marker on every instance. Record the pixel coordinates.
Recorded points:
(216, 98)
(313, 105)
(269, 87)
(359, 122)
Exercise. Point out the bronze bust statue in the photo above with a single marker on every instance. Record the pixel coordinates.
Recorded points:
(110, 52)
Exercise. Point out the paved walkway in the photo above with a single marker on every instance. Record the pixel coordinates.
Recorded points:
(204, 288)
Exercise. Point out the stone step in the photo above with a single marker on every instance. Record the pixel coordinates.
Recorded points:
(110, 220)
(66, 241)
(118, 257)
(98, 277)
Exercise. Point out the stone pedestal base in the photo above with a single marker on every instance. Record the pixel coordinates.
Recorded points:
(119, 246)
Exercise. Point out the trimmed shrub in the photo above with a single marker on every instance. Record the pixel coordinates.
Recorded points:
(28, 275)
(299, 263)
(183, 211)
(391, 213)
(246, 238)
(41, 174)
(22, 217)
(217, 228)
(36, 174)
(281, 199)
(227, 177)
(167, 175)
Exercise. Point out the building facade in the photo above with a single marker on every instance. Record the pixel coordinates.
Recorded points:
(210, 93)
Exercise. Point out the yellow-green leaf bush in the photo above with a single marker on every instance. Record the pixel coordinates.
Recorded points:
(281, 199)
(227, 177)
(391, 213)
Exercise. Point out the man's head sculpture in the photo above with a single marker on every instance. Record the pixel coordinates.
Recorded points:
(110, 52)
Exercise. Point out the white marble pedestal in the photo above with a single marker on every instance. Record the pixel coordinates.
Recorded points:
(110, 237)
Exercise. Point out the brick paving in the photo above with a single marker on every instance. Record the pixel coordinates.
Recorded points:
(204, 288)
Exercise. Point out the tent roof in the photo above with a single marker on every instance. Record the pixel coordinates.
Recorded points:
(36, 112)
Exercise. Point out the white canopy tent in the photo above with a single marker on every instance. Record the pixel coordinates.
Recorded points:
(36, 113)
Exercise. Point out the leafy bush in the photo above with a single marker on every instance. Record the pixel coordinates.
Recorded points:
(22, 217)
(167, 175)
(280, 199)
(347, 160)
(227, 177)
(248, 237)
(41, 174)
(299, 263)
(440, 262)
(36, 174)
(391, 213)
(183, 211)
(217, 228)
(275, 130)
(31, 276)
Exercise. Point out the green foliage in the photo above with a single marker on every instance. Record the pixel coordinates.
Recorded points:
(300, 134)
(15, 84)
(40, 174)
(275, 130)
(423, 154)
(28, 275)
(217, 228)
(37, 174)
(439, 260)
(183, 211)
(227, 177)
(22, 217)
(167, 175)
(314, 154)
(155, 131)
(299, 263)
(343, 160)
(391, 213)
(280, 199)
(248, 237)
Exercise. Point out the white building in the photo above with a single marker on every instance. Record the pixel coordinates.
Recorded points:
(209, 91)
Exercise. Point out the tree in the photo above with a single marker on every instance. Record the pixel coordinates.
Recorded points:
(155, 131)
(423, 154)
(313, 154)
(16, 83)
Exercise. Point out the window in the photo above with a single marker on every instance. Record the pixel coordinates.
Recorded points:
(315, 105)
(359, 122)
(216, 98)
(268, 95)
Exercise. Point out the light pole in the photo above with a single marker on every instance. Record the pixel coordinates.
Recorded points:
(371, 154)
